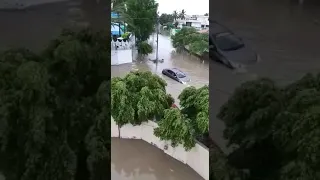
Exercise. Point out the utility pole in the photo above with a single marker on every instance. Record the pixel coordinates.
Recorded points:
(157, 52)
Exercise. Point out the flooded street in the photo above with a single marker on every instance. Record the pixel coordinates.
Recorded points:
(285, 34)
(195, 69)
(149, 162)
(138, 160)
(34, 27)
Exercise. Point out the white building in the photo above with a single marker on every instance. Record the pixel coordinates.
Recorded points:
(197, 21)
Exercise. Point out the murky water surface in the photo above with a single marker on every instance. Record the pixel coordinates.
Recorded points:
(138, 160)
(196, 69)
(285, 34)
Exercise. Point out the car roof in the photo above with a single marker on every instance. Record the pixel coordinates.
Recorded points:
(176, 70)
(217, 28)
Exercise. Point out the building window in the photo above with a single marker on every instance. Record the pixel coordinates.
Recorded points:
(188, 23)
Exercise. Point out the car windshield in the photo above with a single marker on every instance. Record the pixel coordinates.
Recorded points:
(181, 75)
(228, 42)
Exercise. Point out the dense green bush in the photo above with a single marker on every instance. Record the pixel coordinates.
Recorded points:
(188, 37)
(276, 129)
(53, 109)
(138, 97)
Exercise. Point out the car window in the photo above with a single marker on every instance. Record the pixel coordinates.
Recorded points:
(181, 75)
(228, 42)
(171, 72)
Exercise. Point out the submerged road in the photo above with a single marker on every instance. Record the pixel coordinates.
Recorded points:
(285, 34)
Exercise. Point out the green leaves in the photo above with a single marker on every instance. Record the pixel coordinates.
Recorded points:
(53, 112)
(195, 104)
(185, 125)
(138, 97)
(166, 19)
(189, 38)
(177, 128)
(144, 48)
(283, 122)
(141, 19)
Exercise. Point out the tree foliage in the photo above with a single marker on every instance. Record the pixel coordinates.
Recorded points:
(196, 42)
(220, 169)
(182, 14)
(175, 15)
(166, 19)
(138, 97)
(54, 109)
(195, 104)
(144, 48)
(277, 129)
(185, 125)
(177, 128)
(141, 16)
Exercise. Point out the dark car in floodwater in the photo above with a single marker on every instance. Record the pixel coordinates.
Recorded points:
(176, 74)
(228, 48)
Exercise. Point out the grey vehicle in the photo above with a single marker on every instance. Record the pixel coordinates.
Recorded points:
(176, 74)
(229, 49)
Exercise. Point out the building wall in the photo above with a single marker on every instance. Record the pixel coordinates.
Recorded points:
(197, 158)
(196, 25)
(121, 56)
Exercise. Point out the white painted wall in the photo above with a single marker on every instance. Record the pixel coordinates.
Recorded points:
(196, 25)
(21, 4)
(197, 158)
(121, 56)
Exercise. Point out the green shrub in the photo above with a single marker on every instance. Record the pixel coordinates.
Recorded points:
(144, 48)
(196, 42)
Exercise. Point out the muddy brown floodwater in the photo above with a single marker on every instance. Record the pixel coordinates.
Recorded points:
(196, 69)
(131, 159)
(138, 160)
(285, 34)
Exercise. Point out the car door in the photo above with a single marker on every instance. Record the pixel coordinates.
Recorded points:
(173, 75)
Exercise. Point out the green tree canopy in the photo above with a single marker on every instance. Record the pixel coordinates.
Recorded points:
(276, 128)
(179, 40)
(144, 48)
(196, 42)
(195, 104)
(185, 125)
(141, 16)
(138, 97)
(54, 109)
(182, 14)
(165, 19)
(175, 15)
